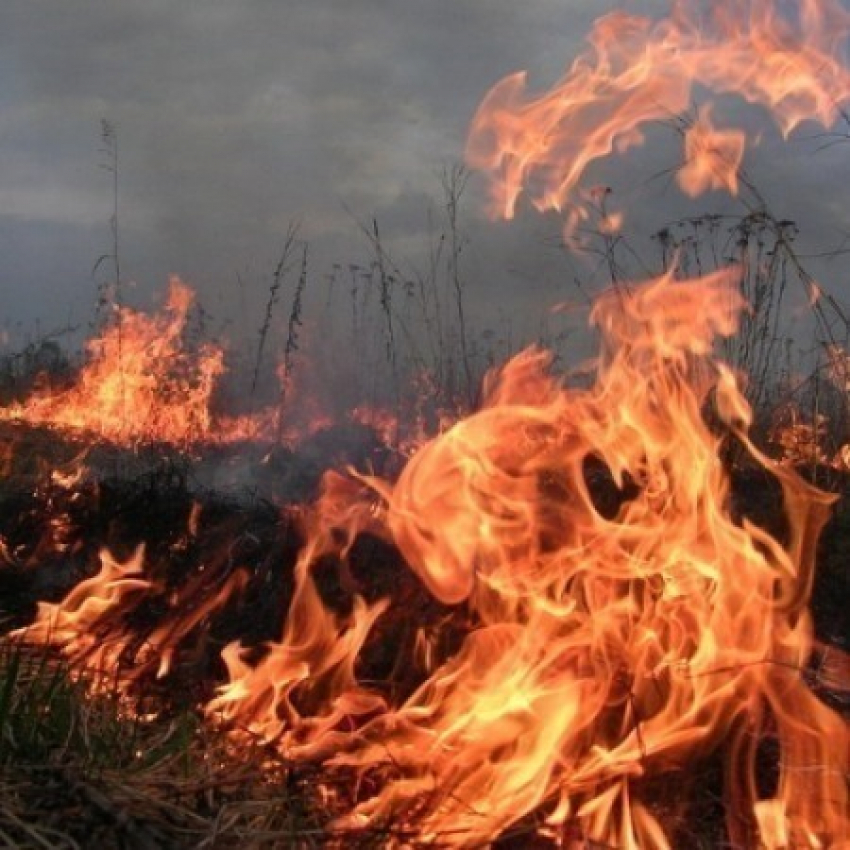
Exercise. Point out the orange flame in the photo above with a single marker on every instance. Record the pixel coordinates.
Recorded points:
(712, 157)
(305, 685)
(139, 383)
(611, 645)
(142, 383)
(624, 625)
(72, 623)
(609, 649)
(638, 71)
(804, 439)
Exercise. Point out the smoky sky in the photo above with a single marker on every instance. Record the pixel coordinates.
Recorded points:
(235, 119)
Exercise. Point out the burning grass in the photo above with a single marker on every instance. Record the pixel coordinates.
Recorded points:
(594, 615)
(97, 748)
(540, 629)
(80, 765)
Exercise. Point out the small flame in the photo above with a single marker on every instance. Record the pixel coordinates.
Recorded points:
(73, 623)
(305, 685)
(712, 157)
(143, 382)
(139, 383)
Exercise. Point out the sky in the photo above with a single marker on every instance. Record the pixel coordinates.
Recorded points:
(235, 119)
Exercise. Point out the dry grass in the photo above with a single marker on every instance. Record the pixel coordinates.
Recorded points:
(78, 769)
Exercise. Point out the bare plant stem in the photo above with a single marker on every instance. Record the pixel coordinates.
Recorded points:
(454, 184)
(278, 276)
(386, 305)
(292, 339)
(112, 302)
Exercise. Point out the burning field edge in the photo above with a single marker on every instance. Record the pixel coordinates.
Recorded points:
(83, 765)
(593, 609)
(120, 755)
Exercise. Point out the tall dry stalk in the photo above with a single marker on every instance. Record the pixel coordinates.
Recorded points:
(110, 299)
(291, 346)
(278, 276)
(454, 184)
(385, 281)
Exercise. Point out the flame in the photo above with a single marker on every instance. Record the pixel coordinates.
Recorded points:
(139, 382)
(305, 686)
(620, 624)
(637, 71)
(75, 623)
(188, 610)
(800, 442)
(804, 439)
(712, 157)
(87, 625)
(143, 382)
(610, 650)
(610, 644)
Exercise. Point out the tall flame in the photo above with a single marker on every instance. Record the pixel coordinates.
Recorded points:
(787, 60)
(611, 650)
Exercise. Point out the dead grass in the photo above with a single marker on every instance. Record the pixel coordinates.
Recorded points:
(78, 769)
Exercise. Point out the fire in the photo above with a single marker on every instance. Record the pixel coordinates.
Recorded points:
(610, 650)
(139, 384)
(788, 61)
(620, 625)
(801, 442)
(712, 157)
(73, 623)
(144, 383)
(607, 647)
(805, 439)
